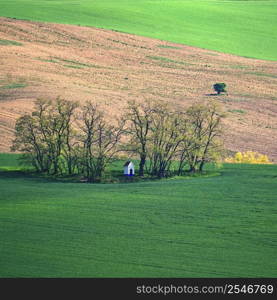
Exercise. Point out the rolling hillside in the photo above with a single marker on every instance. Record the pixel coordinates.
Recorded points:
(84, 63)
(244, 28)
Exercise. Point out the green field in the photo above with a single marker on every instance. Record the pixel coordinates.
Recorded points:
(246, 28)
(222, 226)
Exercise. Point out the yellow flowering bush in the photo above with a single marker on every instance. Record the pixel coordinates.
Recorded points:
(248, 157)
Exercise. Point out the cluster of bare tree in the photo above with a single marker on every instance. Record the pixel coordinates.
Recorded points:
(62, 137)
(163, 136)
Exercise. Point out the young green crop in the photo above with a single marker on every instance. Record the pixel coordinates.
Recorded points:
(223, 226)
(245, 28)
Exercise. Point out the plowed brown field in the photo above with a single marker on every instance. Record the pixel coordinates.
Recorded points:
(82, 63)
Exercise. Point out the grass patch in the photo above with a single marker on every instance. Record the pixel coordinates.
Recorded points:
(8, 160)
(240, 67)
(126, 44)
(117, 41)
(76, 64)
(9, 43)
(239, 111)
(166, 60)
(74, 67)
(13, 86)
(48, 60)
(262, 74)
(168, 47)
(73, 62)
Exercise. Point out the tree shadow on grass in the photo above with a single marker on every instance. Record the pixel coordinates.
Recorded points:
(34, 176)
(13, 174)
(114, 177)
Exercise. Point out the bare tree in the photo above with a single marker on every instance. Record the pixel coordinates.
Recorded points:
(101, 141)
(212, 144)
(55, 125)
(201, 142)
(46, 134)
(28, 140)
(165, 139)
(68, 140)
(139, 116)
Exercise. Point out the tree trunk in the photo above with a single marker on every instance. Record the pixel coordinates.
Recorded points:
(55, 171)
(142, 164)
(180, 168)
(69, 166)
(192, 169)
(201, 166)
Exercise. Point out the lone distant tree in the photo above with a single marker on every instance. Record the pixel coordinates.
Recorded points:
(220, 88)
